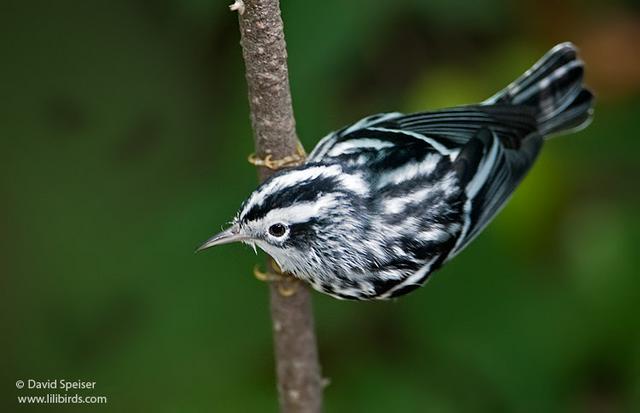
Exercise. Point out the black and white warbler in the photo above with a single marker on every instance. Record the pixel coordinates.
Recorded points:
(381, 204)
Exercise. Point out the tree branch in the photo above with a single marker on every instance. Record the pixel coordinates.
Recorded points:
(265, 57)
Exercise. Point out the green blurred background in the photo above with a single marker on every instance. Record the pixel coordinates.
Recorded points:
(124, 132)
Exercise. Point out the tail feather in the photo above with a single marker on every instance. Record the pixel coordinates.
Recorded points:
(553, 88)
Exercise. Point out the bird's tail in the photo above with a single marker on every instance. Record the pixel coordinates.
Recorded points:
(553, 88)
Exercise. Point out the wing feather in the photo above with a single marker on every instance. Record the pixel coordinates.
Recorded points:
(449, 128)
(495, 173)
(492, 148)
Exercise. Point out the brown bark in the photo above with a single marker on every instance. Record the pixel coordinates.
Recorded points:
(265, 57)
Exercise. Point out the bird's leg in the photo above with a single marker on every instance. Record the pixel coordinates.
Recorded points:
(267, 276)
(287, 285)
(288, 290)
(275, 164)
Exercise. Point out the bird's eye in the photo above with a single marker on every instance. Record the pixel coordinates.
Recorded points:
(277, 230)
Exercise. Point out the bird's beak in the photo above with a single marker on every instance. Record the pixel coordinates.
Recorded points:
(225, 237)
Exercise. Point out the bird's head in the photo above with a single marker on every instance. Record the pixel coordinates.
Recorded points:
(299, 215)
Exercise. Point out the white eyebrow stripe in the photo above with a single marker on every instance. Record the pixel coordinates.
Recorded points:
(301, 212)
(287, 180)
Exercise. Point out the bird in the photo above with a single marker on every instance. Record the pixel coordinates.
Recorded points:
(381, 204)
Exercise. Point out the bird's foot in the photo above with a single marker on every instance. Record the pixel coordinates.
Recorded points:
(275, 164)
(287, 285)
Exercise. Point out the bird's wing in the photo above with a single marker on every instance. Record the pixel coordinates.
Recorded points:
(491, 147)
(489, 172)
(444, 131)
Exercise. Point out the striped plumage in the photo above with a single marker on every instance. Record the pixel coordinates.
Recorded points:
(380, 204)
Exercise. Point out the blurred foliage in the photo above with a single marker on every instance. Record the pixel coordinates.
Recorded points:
(123, 137)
